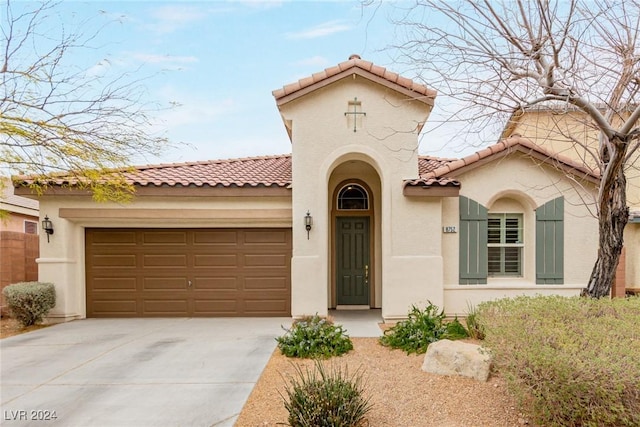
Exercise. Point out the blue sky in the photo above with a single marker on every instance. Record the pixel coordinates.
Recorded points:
(219, 61)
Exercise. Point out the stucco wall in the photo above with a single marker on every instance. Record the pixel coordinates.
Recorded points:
(519, 184)
(632, 244)
(62, 260)
(386, 140)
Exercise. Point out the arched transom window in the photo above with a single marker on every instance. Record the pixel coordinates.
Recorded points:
(352, 197)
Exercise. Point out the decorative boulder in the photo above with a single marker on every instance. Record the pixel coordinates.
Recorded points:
(447, 357)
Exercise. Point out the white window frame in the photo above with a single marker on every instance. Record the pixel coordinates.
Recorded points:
(504, 243)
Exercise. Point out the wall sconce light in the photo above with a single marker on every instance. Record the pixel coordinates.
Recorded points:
(308, 222)
(47, 226)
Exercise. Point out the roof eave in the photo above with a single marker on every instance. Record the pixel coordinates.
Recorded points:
(282, 99)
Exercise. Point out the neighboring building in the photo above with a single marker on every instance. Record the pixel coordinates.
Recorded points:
(20, 213)
(19, 225)
(353, 218)
(549, 127)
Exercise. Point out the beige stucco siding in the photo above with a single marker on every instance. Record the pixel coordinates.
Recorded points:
(632, 245)
(518, 184)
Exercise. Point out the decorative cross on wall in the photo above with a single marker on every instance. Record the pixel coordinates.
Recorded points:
(356, 105)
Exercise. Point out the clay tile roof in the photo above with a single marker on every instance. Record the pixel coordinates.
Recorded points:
(357, 65)
(427, 164)
(265, 171)
(509, 145)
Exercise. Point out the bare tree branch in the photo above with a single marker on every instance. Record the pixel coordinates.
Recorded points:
(56, 117)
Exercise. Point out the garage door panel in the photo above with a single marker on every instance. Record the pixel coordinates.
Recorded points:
(231, 271)
(271, 260)
(266, 283)
(104, 237)
(261, 307)
(216, 283)
(216, 307)
(266, 236)
(164, 238)
(165, 307)
(216, 237)
(114, 283)
(117, 261)
(165, 261)
(115, 308)
(216, 260)
(164, 283)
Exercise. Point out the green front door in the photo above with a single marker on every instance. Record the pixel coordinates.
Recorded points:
(352, 260)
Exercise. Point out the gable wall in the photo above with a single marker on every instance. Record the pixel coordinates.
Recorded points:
(517, 184)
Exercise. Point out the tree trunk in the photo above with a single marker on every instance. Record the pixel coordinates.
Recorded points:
(613, 215)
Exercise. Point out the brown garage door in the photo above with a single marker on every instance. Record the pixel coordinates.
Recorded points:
(188, 272)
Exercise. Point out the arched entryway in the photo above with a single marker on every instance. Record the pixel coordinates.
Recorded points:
(354, 193)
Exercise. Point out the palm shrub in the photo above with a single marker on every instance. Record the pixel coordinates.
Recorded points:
(314, 337)
(421, 329)
(569, 361)
(29, 302)
(326, 397)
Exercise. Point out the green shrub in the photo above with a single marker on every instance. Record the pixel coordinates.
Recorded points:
(320, 397)
(29, 302)
(421, 329)
(569, 361)
(313, 337)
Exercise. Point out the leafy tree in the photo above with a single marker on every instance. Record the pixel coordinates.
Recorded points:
(56, 117)
(494, 58)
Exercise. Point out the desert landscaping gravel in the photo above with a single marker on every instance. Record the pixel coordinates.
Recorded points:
(402, 394)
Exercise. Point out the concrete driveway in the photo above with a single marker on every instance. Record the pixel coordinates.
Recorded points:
(134, 372)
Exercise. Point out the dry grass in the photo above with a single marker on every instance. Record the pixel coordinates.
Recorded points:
(402, 394)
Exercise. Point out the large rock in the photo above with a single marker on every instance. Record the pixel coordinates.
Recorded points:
(447, 357)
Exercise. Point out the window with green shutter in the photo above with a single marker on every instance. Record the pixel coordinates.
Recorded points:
(473, 242)
(550, 242)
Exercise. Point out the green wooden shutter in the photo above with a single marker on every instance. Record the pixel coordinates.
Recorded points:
(473, 242)
(550, 242)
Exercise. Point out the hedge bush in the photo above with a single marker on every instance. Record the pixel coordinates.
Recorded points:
(314, 337)
(324, 397)
(569, 361)
(29, 302)
(421, 329)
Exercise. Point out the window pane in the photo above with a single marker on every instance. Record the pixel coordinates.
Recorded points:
(512, 230)
(493, 230)
(353, 197)
(494, 260)
(512, 260)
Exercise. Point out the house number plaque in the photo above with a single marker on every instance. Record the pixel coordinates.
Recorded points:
(449, 229)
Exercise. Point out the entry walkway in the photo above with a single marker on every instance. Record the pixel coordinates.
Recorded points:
(359, 323)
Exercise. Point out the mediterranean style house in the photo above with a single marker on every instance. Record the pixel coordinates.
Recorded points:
(353, 218)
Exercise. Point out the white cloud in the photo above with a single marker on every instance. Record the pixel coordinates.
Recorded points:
(320, 30)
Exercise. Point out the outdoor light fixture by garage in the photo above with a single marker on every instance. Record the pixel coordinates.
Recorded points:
(308, 222)
(47, 226)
